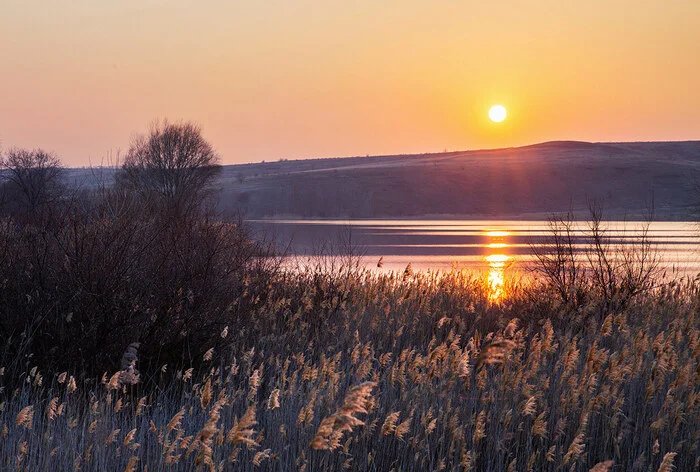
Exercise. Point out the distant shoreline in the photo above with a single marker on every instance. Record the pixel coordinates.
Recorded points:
(535, 216)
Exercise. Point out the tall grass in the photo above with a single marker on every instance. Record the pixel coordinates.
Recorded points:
(408, 371)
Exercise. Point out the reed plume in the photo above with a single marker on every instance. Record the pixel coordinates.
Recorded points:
(332, 428)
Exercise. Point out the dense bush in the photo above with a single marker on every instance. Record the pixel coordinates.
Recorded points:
(83, 273)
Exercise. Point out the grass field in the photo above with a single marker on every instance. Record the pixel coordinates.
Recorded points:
(353, 370)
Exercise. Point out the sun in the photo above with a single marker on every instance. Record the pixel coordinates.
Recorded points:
(497, 113)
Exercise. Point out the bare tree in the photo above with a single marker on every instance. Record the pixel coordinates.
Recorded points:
(32, 178)
(584, 263)
(621, 271)
(173, 162)
(558, 262)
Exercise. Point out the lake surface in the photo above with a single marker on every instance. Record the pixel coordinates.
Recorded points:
(494, 247)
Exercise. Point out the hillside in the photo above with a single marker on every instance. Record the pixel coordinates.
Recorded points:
(529, 181)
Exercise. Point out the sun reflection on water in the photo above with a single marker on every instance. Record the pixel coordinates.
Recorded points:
(497, 245)
(497, 260)
(497, 234)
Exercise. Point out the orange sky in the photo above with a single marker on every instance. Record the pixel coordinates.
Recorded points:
(302, 78)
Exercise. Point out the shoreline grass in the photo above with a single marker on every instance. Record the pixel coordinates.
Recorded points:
(448, 379)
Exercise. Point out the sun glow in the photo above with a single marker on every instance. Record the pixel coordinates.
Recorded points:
(497, 113)
(496, 277)
(497, 261)
(497, 234)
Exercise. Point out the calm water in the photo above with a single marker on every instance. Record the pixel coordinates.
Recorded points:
(492, 246)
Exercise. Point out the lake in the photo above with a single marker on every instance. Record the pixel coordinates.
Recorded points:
(489, 246)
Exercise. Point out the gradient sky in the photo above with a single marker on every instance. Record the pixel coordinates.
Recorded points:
(318, 78)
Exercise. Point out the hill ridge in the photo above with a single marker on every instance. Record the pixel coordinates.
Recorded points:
(549, 177)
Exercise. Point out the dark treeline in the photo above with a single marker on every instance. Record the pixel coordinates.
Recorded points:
(83, 273)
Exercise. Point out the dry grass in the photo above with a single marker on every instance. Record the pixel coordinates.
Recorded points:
(376, 372)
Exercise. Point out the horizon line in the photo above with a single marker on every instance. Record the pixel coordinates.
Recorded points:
(427, 153)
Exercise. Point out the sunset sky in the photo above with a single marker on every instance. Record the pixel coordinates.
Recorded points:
(301, 78)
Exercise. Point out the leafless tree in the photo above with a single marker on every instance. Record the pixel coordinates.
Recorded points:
(585, 263)
(621, 271)
(558, 262)
(32, 178)
(172, 162)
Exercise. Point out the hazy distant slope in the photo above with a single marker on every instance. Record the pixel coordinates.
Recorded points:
(543, 178)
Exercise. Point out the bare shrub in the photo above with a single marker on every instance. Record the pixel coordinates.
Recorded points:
(620, 272)
(558, 261)
(604, 272)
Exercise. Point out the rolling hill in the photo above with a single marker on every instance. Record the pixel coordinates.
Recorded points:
(523, 182)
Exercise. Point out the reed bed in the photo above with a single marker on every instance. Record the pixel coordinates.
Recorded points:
(406, 372)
